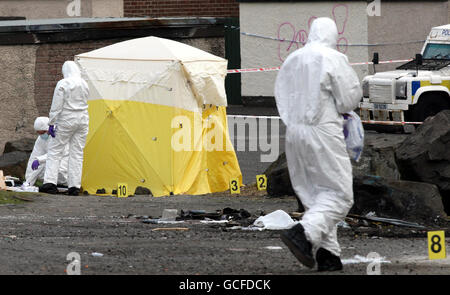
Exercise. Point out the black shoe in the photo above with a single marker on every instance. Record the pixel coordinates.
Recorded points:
(73, 191)
(49, 188)
(295, 239)
(327, 261)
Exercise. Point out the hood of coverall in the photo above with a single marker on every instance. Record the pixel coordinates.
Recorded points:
(324, 32)
(41, 124)
(71, 70)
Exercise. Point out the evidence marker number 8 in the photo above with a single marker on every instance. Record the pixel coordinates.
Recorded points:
(436, 245)
(122, 190)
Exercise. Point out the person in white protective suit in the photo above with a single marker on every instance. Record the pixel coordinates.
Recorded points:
(68, 124)
(38, 158)
(314, 88)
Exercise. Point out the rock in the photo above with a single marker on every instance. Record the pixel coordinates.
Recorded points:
(378, 162)
(405, 200)
(278, 181)
(425, 155)
(378, 156)
(21, 145)
(15, 157)
(14, 163)
(142, 191)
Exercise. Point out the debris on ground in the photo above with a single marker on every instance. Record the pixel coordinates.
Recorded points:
(213, 221)
(365, 260)
(200, 215)
(230, 216)
(397, 199)
(273, 248)
(389, 221)
(160, 221)
(343, 224)
(24, 188)
(170, 228)
(275, 221)
(233, 219)
(169, 215)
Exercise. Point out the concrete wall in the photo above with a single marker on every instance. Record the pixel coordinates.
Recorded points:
(18, 109)
(404, 22)
(290, 22)
(43, 9)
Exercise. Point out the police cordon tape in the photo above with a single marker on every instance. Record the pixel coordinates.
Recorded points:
(270, 69)
(363, 121)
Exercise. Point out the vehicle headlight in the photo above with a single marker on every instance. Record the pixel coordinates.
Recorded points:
(365, 88)
(400, 90)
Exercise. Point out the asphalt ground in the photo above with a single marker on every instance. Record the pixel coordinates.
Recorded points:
(36, 237)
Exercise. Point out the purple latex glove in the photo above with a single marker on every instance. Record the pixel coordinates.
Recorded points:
(51, 130)
(35, 165)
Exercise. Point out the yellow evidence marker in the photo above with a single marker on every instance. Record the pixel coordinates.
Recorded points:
(261, 182)
(122, 190)
(234, 186)
(436, 245)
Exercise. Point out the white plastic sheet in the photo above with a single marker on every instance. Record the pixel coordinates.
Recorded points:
(275, 221)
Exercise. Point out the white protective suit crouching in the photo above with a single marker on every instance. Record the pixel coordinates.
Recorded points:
(69, 115)
(40, 153)
(314, 87)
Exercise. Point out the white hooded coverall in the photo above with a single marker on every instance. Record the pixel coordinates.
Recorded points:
(314, 87)
(40, 153)
(69, 114)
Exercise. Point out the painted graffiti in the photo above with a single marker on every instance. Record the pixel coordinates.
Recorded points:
(292, 39)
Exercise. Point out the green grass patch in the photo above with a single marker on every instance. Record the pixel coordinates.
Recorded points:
(7, 197)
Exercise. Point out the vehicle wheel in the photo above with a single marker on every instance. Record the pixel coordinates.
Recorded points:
(429, 105)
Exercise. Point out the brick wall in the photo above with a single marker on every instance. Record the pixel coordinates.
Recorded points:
(163, 8)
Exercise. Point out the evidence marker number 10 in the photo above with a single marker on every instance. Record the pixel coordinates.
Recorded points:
(122, 190)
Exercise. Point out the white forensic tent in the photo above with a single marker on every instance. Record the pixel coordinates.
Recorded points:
(157, 119)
